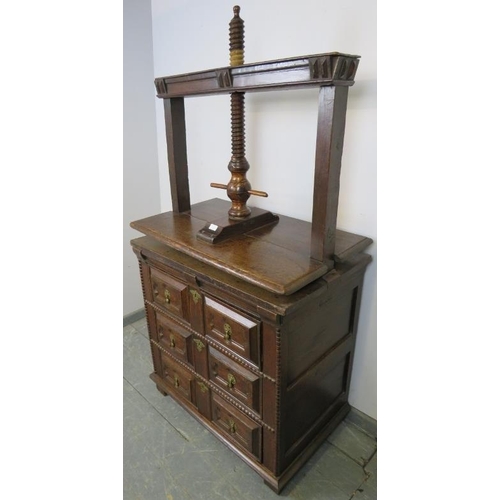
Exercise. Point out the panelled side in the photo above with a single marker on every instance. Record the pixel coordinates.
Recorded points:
(318, 343)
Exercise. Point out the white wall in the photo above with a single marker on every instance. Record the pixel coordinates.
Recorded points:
(141, 194)
(193, 35)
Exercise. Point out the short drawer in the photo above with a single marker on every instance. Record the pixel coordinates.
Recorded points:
(237, 427)
(179, 380)
(174, 339)
(170, 293)
(232, 329)
(237, 381)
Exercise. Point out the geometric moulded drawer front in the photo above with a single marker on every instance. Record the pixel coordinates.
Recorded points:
(178, 379)
(237, 381)
(170, 293)
(236, 427)
(174, 339)
(234, 331)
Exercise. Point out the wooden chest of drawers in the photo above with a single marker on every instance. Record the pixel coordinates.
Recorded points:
(252, 315)
(267, 374)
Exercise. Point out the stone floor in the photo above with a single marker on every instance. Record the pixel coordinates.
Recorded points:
(169, 456)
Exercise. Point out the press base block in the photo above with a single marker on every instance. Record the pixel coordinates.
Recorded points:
(224, 228)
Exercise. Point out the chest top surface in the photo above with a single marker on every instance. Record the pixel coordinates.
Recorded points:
(275, 257)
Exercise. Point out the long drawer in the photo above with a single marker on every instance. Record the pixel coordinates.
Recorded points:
(170, 293)
(178, 380)
(237, 381)
(233, 330)
(237, 427)
(174, 338)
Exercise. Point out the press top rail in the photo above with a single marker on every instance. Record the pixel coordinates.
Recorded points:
(317, 70)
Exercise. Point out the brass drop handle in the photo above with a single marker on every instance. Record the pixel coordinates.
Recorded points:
(167, 296)
(172, 341)
(176, 380)
(227, 332)
(231, 381)
(232, 426)
(160, 331)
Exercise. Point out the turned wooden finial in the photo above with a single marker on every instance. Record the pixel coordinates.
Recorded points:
(236, 38)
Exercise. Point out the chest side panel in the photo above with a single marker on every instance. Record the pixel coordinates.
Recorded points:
(317, 352)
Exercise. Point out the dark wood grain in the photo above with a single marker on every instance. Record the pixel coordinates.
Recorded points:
(267, 257)
(329, 146)
(175, 128)
(270, 266)
(215, 281)
(347, 244)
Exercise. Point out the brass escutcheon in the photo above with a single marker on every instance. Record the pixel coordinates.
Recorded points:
(231, 381)
(232, 426)
(227, 331)
(203, 387)
(176, 380)
(172, 341)
(196, 296)
(167, 296)
(199, 344)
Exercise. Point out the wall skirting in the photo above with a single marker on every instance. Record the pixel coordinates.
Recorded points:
(134, 316)
(363, 422)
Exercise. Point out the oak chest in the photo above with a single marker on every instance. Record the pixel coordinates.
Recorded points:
(268, 374)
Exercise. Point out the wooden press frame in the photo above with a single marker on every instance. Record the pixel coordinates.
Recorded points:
(332, 72)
